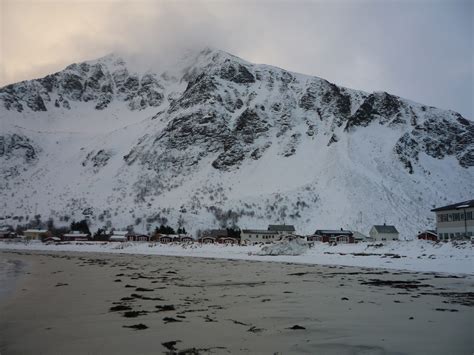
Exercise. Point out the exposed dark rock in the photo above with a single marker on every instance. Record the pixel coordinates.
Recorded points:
(377, 106)
(236, 73)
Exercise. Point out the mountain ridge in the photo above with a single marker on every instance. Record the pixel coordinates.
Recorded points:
(213, 143)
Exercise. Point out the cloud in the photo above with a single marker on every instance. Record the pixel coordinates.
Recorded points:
(421, 49)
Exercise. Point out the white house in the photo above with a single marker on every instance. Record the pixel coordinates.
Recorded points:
(281, 229)
(455, 221)
(35, 234)
(252, 236)
(383, 232)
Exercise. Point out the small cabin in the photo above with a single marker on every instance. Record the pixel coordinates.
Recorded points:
(134, 237)
(227, 240)
(36, 234)
(383, 232)
(75, 236)
(207, 240)
(428, 235)
(332, 236)
(186, 238)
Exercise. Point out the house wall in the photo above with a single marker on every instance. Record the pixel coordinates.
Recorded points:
(252, 238)
(34, 235)
(451, 225)
(427, 236)
(382, 236)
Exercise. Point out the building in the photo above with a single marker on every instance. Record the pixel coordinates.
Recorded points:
(281, 229)
(36, 234)
(167, 238)
(455, 221)
(360, 237)
(5, 233)
(207, 240)
(217, 236)
(428, 235)
(185, 238)
(134, 237)
(75, 236)
(383, 232)
(332, 236)
(52, 240)
(119, 236)
(253, 236)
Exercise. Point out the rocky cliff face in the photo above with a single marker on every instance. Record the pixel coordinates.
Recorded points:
(99, 83)
(221, 141)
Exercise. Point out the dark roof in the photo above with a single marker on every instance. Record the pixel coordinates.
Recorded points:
(257, 231)
(429, 231)
(386, 229)
(281, 227)
(333, 231)
(455, 206)
(215, 233)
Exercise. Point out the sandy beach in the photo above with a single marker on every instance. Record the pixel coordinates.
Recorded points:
(78, 303)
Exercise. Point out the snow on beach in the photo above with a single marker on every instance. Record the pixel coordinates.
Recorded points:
(416, 255)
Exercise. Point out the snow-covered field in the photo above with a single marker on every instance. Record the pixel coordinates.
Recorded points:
(414, 255)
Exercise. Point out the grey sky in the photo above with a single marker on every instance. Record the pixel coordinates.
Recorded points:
(421, 49)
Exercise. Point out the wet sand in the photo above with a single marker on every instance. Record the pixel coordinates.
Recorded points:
(77, 303)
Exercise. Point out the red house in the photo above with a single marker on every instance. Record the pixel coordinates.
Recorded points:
(332, 236)
(428, 235)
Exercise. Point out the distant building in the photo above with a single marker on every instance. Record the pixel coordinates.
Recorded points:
(185, 238)
(135, 237)
(36, 234)
(75, 236)
(428, 235)
(119, 236)
(253, 236)
(360, 237)
(217, 236)
(455, 221)
(332, 236)
(281, 229)
(207, 240)
(384, 232)
(52, 240)
(273, 233)
(5, 233)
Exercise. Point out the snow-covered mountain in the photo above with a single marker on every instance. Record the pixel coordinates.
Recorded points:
(218, 141)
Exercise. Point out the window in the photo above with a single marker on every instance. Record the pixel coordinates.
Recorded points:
(469, 215)
(450, 217)
(455, 217)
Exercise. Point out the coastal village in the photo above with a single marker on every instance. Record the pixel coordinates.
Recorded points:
(453, 222)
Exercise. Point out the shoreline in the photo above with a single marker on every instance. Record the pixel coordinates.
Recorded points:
(232, 259)
(229, 306)
(11, 272)
(408, 256)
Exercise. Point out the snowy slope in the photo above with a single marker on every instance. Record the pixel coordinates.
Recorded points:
(217, 141)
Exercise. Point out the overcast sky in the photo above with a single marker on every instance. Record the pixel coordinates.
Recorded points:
(419, 49)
